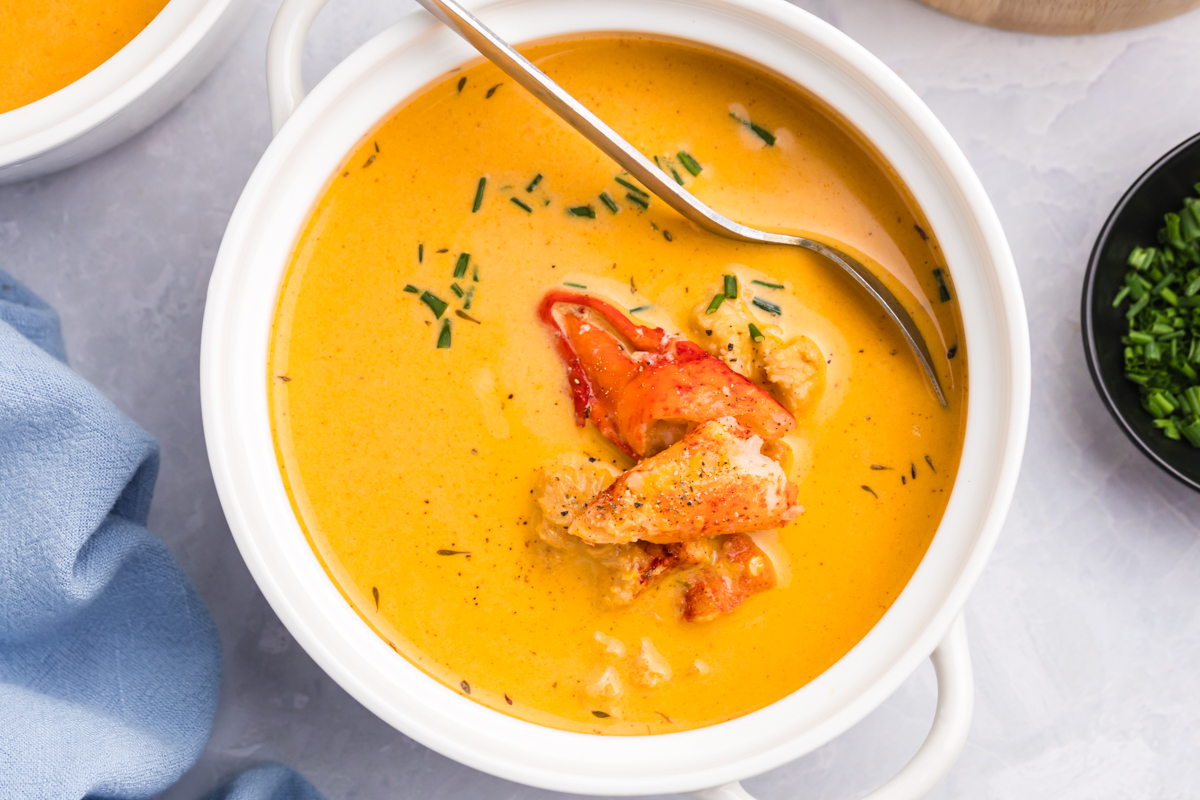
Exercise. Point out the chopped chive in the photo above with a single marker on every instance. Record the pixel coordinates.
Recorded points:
(479, 195)
(943, 289)
(454, 287)
(467, 301)
(574, 285)
(582, 211)
(755, 333)
(640, 309)
(411, 289)
(632, 188)
(533, 183)
(464, 315)
(767, 285)
(444, 336)
(636, 200)
(767, 306)
(689, 163)
(866, 488)
(675, 174)
(421, 253)
(714, 304)
(435, 303)
(462, 82)
(475, 273)
(763, 133)
(759, 131)
(522, 205)
(1137, 307)
(460, 268)
(731, 287)
(608, 202)
(1162, 345)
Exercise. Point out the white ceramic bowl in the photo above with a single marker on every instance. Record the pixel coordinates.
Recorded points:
(361, 93)
(125, 94)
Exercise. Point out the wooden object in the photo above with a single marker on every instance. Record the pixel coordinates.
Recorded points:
(1063, 17)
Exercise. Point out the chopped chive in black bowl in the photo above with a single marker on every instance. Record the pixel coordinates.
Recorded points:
(1135, 223)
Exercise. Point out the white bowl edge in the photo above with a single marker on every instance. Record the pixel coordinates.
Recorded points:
(123, 95)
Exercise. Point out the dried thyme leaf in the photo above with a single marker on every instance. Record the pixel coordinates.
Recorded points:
(767, 306)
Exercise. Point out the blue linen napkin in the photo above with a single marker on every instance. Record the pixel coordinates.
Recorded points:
(268, 782)
(109, 660)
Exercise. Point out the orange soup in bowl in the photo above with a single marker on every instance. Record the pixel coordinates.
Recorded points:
(47, 44)
(579, 460)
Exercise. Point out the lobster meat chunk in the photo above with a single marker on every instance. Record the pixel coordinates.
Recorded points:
(740, 571)
(644, 388)
(714, 481)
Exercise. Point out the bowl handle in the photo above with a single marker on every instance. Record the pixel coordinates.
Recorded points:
(951, 722)
(285, 48)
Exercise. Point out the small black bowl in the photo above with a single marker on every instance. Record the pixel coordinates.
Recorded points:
(1135, 223)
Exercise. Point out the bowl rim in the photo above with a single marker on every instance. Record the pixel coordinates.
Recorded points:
(235, 414)
(90, 101)
(1087, 305)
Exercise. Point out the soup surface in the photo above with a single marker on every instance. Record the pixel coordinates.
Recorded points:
(417, 399)
(47, 44)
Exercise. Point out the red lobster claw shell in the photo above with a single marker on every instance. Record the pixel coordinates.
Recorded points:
(644, 388)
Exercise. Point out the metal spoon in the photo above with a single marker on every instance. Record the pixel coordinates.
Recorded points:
(521, 70)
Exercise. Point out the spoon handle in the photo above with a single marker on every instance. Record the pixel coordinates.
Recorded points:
(594, 129)
(612, 144)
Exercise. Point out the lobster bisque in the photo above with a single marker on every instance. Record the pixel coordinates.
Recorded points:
(48, 44)
(413, 467)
